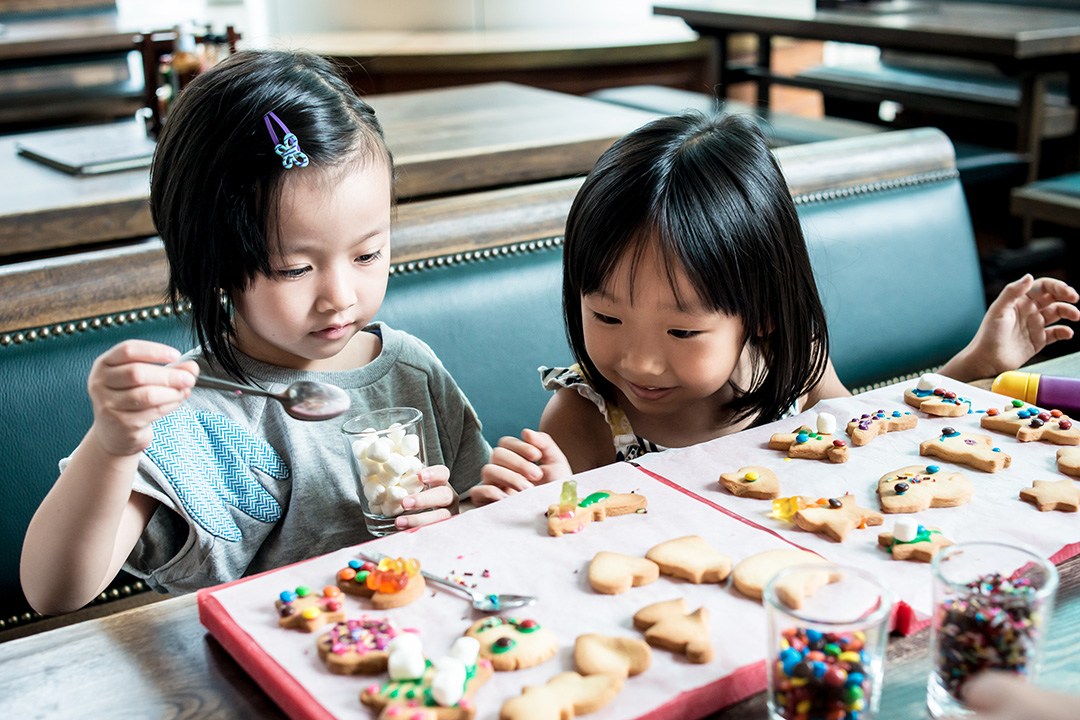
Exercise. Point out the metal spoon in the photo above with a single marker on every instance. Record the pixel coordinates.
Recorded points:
(483, 603)
(303, 400)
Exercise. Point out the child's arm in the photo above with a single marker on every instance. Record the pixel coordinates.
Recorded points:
(87, 524)
(828, 387)
(518, 464)
(1018, 324)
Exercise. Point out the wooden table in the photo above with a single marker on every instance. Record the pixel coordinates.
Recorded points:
(444, 141)
(1023, 41)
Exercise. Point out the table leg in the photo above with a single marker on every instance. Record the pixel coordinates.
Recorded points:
(1030, 121)
(764, 65)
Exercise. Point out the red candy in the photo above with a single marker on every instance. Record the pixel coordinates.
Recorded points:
(839, 443)
(1064, 423)
(1044, 416)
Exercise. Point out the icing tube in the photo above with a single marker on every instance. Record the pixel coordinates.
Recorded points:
(1048, 392)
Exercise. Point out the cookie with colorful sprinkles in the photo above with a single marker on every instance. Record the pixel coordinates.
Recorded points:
(911, 541)
(975, 451)
(571, 515)
(868, 426)
(512, 643)
(807, 444)
(1029, 423)
(392, 583)
(931, 398)
(305, 610)
(753, 481)
(357, 647)
(917, 487)
(835, 517)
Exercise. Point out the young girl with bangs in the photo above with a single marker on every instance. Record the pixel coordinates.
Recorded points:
(692, 311)
(272, 191)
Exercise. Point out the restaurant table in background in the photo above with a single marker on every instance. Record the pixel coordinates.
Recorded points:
(1022, 41)
(444, 141)
(158, 661)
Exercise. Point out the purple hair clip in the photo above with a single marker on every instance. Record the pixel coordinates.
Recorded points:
(289, 147)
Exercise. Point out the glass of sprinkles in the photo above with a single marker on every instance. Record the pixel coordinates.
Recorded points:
(992, 608)
(828, 625)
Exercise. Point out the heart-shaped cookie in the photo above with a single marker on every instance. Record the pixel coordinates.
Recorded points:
(613, 573)
(752, 481)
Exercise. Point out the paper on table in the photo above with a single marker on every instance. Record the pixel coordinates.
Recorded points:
(509, 539)
(994, 513)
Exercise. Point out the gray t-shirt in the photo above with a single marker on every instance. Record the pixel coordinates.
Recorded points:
(257, 489)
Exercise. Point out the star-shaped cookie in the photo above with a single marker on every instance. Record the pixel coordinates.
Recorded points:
(836, 517)
(752, 481)
(691, 558)
(805, 443)
(918, 487)
(868, 426)
(668, 626)
(976, 451)
(911, 541)
(1048, 495)
(933, 399)
(1030, 423)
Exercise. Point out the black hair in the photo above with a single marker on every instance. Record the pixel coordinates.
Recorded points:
(707, 193)
(216, 178)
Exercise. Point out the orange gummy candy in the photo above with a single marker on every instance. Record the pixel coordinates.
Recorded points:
(387, 581)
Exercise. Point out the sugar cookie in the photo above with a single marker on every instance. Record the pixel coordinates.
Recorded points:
(393, 583)
(1029, 423)
(1068, 461)
(918, 487)
(691, 558)
(836, 517)
(805, 443)
(307, 611)
(513, 644)
(1048, 495)
(571, 515)
(933, 399)
(564, 697)
(668, 626)
(357, 647)
(752, 481)
(975, 451)
(911, 541)
(868, 426)
(620, 656)
(753, 573)
(613, 573)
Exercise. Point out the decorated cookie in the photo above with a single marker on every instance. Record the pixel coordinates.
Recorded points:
(752, 482)
(564, 697)
(1068, 461)
(1047, 495)
(975, 451)
(868, 426)
(357, 647)
(805, 443)
(691, 558)
(911, 541)
(668, 626)
(441, 690)
(752, 574)
(918, 487)
(513, 644)
(619, 656)
(1030, 423)
(933, 399)
(613, 573)
(305, 610)
(836, 517)
(393, 583)
(571, 514)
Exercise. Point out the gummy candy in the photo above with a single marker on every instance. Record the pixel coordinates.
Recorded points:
(387, 581)
(785, 508)
(568, 499)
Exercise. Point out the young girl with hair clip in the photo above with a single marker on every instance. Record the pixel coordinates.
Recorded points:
(272, 191)
(692, 311)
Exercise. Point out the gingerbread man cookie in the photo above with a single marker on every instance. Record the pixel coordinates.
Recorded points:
(691, 558)
(613, 573)
(572, 515)
(439, 690)
(933, 399)
(911, 541)
(1048, 495)
(619, 656)
(513, 644)
(668, 626)
(564, 697)
(916, 487)
(1068, 461)
(752, 481)
(835, 517)
(868, 426)
(753, 573)
(975, 451)
(805, 443)
(1030, 423)
(393, 583)
(357, 647)
(307, 611)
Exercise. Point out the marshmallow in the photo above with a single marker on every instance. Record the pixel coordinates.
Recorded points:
(412, 484)
(906, 529)
(448, 682)
(389, 466)
(466, 649)
(397, 464)
(406, 665)
(409, 641)
(380, 450)
(374, 492)
(826, 423)
(927, 382)
(410, 445)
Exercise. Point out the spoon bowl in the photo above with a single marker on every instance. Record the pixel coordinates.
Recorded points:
(303, 400)
(486, 603)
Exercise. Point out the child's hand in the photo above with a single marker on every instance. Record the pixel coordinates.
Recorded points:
(1018, 324)
(131, 385)
(438, 498)
(516, 465)
(1005, 696)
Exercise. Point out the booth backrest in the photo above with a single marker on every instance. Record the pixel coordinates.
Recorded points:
(478, 279)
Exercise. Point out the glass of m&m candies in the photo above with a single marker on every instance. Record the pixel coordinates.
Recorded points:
(992, 608)
(387, 452)
(826, 642)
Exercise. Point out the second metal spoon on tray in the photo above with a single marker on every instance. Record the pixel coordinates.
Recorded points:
(303, 400)
(484, 603)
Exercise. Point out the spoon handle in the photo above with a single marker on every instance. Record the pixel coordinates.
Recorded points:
(227, 386)
(376, 557)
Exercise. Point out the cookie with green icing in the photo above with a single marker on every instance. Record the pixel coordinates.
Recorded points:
(571, 518)
(911, 541)
(513, 643)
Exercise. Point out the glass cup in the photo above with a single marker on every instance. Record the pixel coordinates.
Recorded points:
(992, 608)
(826, 650)
(387, 451)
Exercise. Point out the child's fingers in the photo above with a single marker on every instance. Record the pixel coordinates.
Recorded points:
(1054, 289)
(504, 478)
(1059, 311)
(140, 351)
(410, 521)
(514, 462)
(146, 397)
(1014, 291)
(520, 447)
(486, 494)
(1058, 332)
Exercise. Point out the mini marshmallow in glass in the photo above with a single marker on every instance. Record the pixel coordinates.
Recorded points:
(387, 451)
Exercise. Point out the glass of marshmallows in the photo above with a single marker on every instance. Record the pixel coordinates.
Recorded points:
(387, 451)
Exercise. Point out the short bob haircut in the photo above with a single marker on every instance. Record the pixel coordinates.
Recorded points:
(216, 179)
(707, 193)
